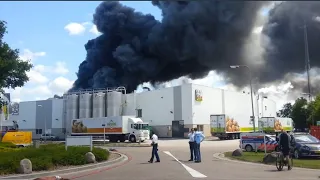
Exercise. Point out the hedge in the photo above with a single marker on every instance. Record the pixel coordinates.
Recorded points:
(47, 157)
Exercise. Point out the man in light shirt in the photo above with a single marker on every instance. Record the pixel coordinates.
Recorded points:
(198, 138)
(154, 145)
(191, 144)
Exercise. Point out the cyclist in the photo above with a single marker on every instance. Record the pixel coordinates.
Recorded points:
(285, 143)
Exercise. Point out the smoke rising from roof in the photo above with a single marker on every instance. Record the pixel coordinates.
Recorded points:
(195, 37)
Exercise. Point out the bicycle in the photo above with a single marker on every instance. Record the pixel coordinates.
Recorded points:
(280, 161)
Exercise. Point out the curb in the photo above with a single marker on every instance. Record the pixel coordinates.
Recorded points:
(112, 146)
(221, 156)
(89, 167)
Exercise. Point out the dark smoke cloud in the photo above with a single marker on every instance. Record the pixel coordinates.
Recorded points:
(285, 55)
(193, 38)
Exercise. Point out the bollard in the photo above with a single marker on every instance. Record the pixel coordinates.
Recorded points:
(36, 144)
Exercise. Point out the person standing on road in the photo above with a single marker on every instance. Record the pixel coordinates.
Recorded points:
(285, 143)
(198, 138)
(154, 145)
(191, 144)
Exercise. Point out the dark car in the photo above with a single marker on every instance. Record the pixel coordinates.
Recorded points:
(306, 146)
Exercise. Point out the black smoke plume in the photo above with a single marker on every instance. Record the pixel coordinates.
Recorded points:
(193, 38)
(286, 51)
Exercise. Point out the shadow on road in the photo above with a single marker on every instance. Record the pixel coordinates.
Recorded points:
(274, 170)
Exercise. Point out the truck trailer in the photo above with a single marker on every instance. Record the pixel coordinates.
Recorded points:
(227, 127)
(116, 128)
(275, 124)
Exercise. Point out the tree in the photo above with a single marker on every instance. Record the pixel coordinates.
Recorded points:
(300, 113)
(285, 111)
(315, 110)
(13, 70)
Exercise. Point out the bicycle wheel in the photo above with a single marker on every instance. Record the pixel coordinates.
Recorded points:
(279, 163)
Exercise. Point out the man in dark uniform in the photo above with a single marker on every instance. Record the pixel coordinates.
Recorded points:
(284, 143)
(191, 144)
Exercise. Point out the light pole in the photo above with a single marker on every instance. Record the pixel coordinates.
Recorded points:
(45, 125)
(104, 133)
(250, 77)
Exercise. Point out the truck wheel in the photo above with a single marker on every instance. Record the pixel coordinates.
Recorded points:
(132, 139)
(248, 148)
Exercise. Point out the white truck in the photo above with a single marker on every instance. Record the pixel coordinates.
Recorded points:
(275, 124)
(227, 127)
(116, 128)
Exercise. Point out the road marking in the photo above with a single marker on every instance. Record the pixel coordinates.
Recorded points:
(191, 171)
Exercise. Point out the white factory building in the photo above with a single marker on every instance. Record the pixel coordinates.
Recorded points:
(170, 111)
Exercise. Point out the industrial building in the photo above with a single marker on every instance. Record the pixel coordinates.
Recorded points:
(171, 112)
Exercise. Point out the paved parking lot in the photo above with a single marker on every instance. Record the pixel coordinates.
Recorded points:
(174, 164)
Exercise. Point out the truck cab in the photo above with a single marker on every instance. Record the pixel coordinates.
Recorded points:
(139, 130)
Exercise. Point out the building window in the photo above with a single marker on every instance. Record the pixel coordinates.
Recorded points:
(38, 131)
(139, 112)
(265, 108)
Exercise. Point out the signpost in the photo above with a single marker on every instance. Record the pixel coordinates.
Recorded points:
(253, 138)
(104, 133)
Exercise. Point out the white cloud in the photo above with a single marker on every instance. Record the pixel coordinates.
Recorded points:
(94, 30)
(74, 28)
(59, 68)
(60, 85)
(29, 55)
(36, 77)
(40, 86)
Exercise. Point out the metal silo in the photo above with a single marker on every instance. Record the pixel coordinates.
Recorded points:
(85, 105)
(99, 105)
(72, 109)
(114, 103)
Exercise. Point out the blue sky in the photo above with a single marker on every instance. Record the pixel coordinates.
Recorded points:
(52, 35)
(40, 31)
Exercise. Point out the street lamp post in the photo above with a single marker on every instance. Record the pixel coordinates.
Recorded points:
(45, 126)
(250, 77)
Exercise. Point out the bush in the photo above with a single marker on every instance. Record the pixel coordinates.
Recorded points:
(7, 145)
(48, 157)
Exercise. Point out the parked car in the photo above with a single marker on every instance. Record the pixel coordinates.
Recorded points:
(271, 145)
(49, 137)
(306, 146)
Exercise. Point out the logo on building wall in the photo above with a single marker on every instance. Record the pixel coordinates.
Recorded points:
(198, 95)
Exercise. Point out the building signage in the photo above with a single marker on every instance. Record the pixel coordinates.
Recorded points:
(198, 95)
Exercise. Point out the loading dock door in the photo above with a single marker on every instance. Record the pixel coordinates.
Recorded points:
(178, 129)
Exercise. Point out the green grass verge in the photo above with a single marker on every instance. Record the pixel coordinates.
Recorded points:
(47, 157)
(258, 158)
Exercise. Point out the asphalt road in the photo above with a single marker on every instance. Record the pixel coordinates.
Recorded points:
(174, 155)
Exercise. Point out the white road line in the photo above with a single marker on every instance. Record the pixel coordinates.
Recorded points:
(191, 171)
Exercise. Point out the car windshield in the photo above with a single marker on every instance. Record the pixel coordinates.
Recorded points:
(306, 139)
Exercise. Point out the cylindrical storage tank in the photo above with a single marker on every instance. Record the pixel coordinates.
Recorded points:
(85, 105)
(99, 105)
(114, 103)
(72, 109)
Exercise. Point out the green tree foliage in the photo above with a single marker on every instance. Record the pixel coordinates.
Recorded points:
(300, 113)
(285, 111)
(13, 69)
(315, 108)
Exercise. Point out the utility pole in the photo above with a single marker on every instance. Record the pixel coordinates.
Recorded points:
(307, 60)
(251, 92)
